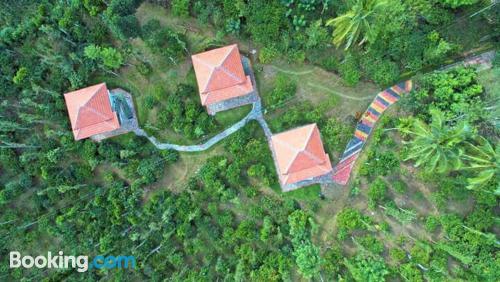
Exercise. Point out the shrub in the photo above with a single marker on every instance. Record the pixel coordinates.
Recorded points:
(350, 219)
(149, 102)
(398, 255)
(383, 72)
(296, 56)
(330, 63)
(283, 90)
(349, 70)
(421, 253)
(265, 21)
(377, 192)
(180, 8)
(380, 163)
(336, 134)
(399, 186)
(144, 68)
(458, 3)
(164, 41)
(129, 26)
(455, 93)
(371, 243)
(268, 54)
(410, 272)
(431, 223)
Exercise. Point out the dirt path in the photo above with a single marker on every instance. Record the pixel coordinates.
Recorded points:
(338, 93)
(292, 72)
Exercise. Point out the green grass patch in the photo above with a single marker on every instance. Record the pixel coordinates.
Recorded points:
(305, 193)
(232, 116)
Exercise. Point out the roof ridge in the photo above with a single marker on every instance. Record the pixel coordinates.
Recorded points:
(313, 126)
(208, 66)
(303, 150)
(227, 55)
(93, 95)
(218, 67)
(307, 153)
(89, 107)
(95, 112)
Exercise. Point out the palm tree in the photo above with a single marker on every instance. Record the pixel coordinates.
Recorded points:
(437, 145)
(484, 160)
(356, 22)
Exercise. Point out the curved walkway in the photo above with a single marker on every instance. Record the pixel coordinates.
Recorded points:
(255, 114)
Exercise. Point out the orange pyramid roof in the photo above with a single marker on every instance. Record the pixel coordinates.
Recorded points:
(220, 75)
(90, 112)
(299, 154)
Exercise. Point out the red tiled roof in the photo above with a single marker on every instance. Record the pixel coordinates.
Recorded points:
(299, 154)
(90, 112)
(220, 76)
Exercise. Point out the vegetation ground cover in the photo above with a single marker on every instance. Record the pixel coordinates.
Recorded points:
(219, 215)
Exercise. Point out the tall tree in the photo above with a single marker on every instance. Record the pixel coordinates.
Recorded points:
(482, 159)
(436, 145)
(357, 22)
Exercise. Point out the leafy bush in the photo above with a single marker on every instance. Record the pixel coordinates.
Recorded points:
(380, 163)
(349, 70)
(398, 255)
(336, 134)
(366, 268)
(349, 220)
(382, 71)
(371, 243)
(268, 54)
(431, 223)
(144, 68)
(404, 216)
(456, 93)
(184, 115)
(458, 3)
(399, 186)
(296, 56)
(180, 7)
(331, 63)
(164, 41)
(265, 21)
(284, 89)
(377, 192)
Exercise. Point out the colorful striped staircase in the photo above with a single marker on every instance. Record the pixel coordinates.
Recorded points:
(382, 101)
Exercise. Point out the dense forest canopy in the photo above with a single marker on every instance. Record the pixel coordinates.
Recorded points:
(423, 206)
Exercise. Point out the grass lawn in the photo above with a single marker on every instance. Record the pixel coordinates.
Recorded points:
(306, 193)
(322, 88)
(489, 79)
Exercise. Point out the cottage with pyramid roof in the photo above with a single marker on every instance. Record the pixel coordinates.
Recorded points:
(225, 79)
(97, 113)
(299, 157)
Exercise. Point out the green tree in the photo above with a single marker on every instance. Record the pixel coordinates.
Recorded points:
(307, 259)
(21, 74)
(180, 8)
(483, 160)
(457, 3)
(356, 25)
(436, 146)
(108, 57)
(366, 268)
(377, 192)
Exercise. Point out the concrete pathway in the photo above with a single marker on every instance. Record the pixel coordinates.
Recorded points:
(255, 114)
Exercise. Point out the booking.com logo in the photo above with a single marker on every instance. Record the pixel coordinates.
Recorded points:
(81, 263)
